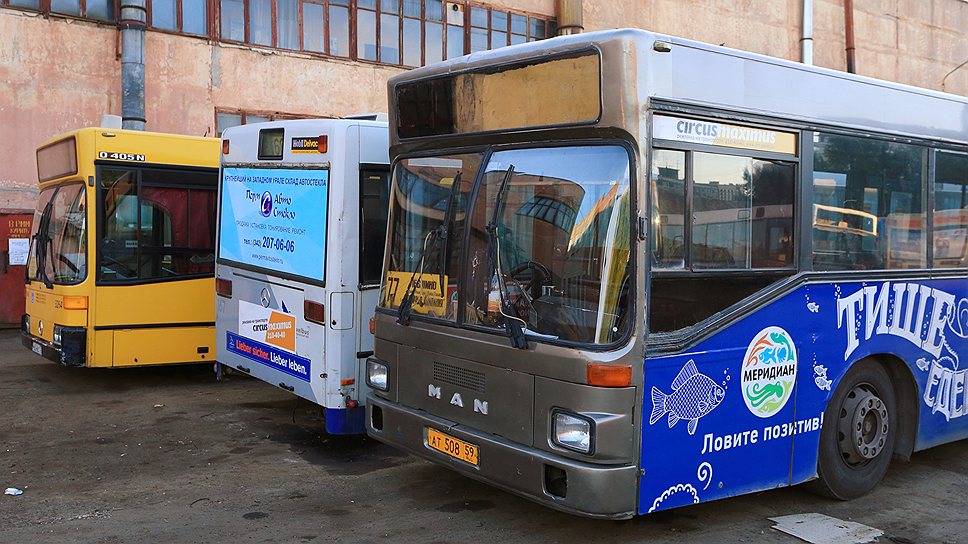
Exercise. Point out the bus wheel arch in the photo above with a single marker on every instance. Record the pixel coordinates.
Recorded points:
(908, 403)
(861, 430)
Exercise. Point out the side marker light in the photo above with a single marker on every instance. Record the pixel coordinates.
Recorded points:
(609, 375)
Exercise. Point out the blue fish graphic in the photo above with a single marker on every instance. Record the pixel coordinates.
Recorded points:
(694, 395)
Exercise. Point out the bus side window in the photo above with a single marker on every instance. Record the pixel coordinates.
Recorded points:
(160, 226)
(868, 208)
(951, 211)
(374, 206)
(118, 244)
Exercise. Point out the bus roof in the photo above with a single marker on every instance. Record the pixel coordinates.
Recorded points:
(155, 147)
(253, 129)
(636, 74)
(245, 141)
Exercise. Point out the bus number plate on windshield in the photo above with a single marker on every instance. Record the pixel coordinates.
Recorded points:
(458, 449)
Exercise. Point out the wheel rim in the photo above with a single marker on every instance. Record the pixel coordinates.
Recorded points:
(864, 426)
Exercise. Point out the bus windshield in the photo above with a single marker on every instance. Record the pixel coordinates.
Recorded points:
(548, 242)
(58, 248)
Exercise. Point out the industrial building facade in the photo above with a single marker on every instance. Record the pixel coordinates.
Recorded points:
(210, 64)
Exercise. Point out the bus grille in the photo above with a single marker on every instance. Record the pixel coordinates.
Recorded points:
(461, 377)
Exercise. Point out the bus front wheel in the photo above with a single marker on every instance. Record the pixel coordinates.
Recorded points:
(858, 435)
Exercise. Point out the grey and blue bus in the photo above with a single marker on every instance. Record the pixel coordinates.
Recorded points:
(627, 272)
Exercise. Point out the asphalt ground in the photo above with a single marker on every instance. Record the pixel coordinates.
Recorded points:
(167, 454)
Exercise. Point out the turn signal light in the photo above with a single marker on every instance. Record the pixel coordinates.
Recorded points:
(373, 325)
(609, 375)
(225, 147)
(75, 302)
(321, 144)
(350, 381)
(223, 287)
(314, 311)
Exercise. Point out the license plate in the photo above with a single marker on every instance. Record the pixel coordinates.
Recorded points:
(446, 444)
(36, 347)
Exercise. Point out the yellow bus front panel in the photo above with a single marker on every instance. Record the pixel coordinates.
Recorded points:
(137, 347)
(167, 322)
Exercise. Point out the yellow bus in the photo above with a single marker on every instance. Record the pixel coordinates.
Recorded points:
(121, 265)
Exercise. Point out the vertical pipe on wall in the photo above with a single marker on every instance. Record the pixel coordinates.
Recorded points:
(849, 32)
(569, 17)
(806, 36)
(132, 26)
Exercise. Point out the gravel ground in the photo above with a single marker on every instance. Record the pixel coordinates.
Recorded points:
(168, 454)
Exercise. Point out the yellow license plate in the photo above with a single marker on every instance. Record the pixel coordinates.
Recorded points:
(458, 449)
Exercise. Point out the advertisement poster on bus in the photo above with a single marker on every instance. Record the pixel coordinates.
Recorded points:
(743, 410)
(268, 336)
(275, 219)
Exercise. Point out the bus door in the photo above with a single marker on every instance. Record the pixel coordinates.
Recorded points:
(722, 407)
(156, 230)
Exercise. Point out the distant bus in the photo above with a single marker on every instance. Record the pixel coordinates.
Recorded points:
(302, 230)
(122, 254)
(627, 272)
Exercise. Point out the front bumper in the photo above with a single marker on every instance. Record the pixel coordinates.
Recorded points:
(592, 490)
(71, 352)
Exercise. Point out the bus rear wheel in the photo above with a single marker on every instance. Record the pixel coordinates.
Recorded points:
(859, 432)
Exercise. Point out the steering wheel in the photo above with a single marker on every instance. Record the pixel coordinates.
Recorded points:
(537, 276)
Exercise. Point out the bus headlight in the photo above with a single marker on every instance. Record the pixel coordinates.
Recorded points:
(573, 432)
(27, 323)
(377, 375)
(58, 334)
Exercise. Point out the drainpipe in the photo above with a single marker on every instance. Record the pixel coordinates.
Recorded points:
(849, 31)
(806, 36)
(132, 26)
(569, 17)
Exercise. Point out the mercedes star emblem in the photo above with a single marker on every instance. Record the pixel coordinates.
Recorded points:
(264, 298)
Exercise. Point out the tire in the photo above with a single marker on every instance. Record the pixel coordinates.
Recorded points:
(858, 435)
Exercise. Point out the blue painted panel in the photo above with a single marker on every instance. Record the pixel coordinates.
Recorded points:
(742, 410)
(346, 420)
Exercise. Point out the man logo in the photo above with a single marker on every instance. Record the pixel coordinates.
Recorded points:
(266, 204)
(480, 406)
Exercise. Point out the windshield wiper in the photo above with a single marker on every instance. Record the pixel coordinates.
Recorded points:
(41, 242)
(406, 303)
(513, 325)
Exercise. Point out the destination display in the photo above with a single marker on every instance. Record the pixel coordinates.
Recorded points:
(427, 296)
(275, 219)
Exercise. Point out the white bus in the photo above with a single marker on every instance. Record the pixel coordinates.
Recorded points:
(302, 221)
